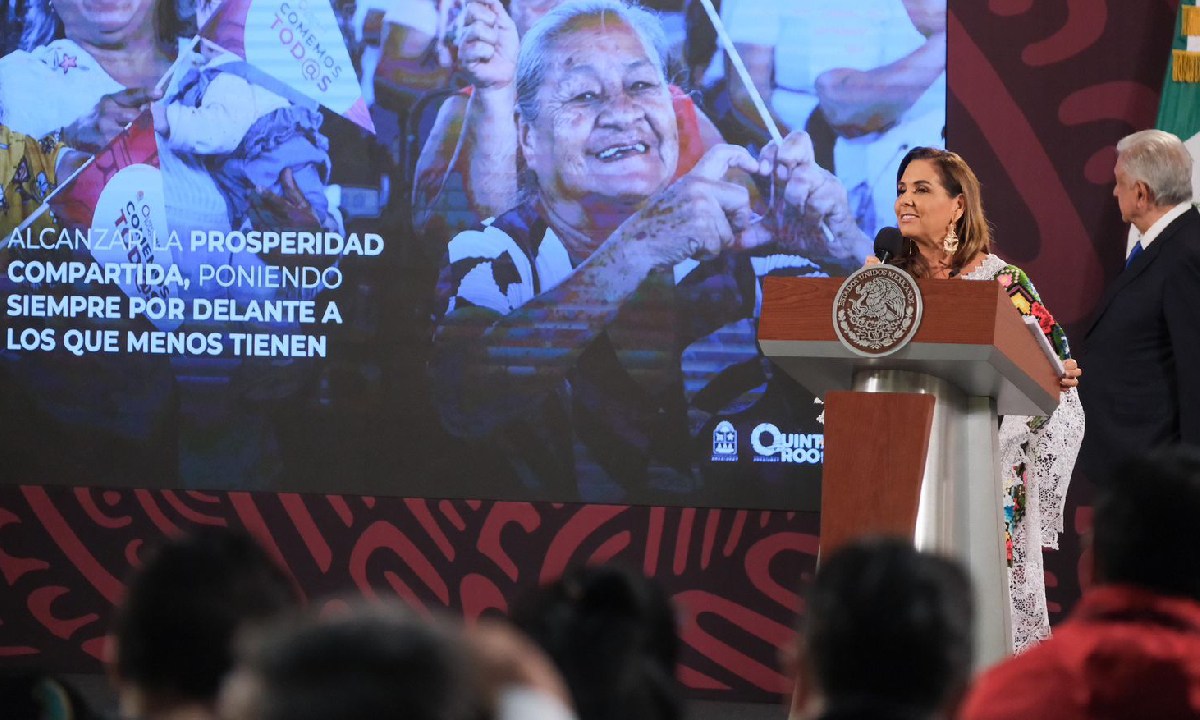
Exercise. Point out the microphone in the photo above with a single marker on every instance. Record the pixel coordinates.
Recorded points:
(889, 243)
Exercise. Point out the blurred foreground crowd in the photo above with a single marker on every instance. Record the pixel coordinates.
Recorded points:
(212, 628)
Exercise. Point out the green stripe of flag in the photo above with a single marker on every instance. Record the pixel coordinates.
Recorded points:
(1179, 109)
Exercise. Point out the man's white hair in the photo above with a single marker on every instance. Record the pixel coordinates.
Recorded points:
(1160, 160)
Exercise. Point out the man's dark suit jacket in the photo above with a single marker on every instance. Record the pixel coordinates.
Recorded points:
(1141, 382)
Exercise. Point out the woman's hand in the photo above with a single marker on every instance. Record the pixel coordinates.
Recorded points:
(871, 260)
(816, 220)
(96, 129)
(1071, 373)
(291, 210)
(698, 216)
(162, 124)
(488, 45)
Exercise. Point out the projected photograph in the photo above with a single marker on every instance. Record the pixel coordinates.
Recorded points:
(481, 249)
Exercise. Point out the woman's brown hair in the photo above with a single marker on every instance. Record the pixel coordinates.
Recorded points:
(974, 231)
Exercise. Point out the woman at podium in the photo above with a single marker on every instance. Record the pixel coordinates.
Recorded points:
(940, 214)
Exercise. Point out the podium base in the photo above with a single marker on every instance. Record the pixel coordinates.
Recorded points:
(910, 454)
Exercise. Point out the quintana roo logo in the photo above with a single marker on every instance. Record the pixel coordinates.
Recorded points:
(773, 445)
(877, 310)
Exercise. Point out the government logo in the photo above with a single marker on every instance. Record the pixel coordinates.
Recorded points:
(725, 442)
(877, 310)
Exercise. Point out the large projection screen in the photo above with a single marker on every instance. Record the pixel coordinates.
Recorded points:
(316, 248)
(184, 316)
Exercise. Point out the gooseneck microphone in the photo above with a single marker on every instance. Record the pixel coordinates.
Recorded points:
(889, 243)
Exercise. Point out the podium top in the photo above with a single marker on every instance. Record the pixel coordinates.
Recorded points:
(970, 335)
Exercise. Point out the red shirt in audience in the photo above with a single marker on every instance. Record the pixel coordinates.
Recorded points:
(1125, 652)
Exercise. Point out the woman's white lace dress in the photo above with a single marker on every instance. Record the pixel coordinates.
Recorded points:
(1037, 455)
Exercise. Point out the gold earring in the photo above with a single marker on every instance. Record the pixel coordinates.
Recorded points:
(950, 242)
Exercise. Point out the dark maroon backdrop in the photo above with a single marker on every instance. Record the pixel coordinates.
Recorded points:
(1040, 94)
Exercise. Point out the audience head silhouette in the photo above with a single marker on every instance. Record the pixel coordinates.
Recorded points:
(174, 634)
(612, 634)
(887, 633)
(1145, 529)
(375, 662)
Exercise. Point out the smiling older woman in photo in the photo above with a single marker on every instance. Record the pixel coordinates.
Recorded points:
(568, 321)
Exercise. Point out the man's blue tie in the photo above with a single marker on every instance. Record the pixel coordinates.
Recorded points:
(1137, 250)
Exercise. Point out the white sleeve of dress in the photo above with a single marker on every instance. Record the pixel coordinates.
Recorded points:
(1026, 585)
(1048, 448)
(1055, 445)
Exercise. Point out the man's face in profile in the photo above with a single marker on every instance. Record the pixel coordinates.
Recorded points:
(1125, 191)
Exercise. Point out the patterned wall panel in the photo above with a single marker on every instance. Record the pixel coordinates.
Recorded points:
(735, 574)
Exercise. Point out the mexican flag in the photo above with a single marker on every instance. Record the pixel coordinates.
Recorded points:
(1179, 110)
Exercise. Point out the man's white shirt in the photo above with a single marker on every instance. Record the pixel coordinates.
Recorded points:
(1156, 229)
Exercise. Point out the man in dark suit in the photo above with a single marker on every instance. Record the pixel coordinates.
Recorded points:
(1143, 348)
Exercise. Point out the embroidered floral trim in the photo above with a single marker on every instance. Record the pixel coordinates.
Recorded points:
(1026, 299)
(1014, 507)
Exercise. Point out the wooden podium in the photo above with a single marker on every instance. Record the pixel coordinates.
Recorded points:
(911, 444)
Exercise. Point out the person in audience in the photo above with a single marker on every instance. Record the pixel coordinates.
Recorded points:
(99, 62)
(886, 635)
(521, 678)
(939, 210)
(173, 636)
(1145, 339)
(245, 135)
(364, 663)
(613, 635)
(473, 146)
(558, 334)
(1131, 647)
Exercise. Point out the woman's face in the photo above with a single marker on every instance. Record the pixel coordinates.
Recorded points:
(105, 22)
(924, 208)
(606, 126)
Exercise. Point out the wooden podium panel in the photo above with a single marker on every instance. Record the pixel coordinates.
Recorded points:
(875, 449)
